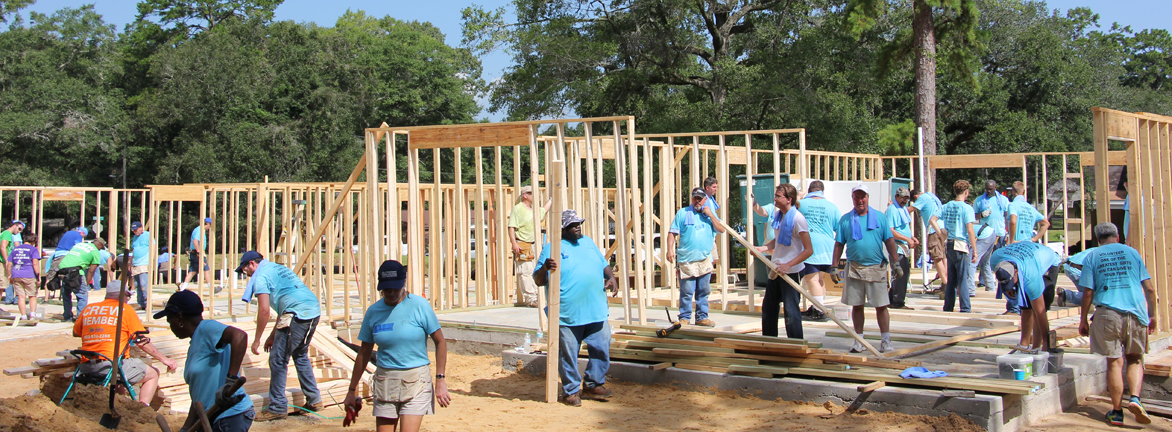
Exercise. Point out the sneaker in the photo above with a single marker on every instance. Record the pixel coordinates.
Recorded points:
(885, 346)
(813, 314)
(308, 408)
(706, 323)
(575, 401)
(596, 393)
(1115, 418)
(1062, 297)
(858, 347)
(183, 286)
(1137, 408)
(266, 415)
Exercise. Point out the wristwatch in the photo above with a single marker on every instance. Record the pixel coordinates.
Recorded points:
(439, 376)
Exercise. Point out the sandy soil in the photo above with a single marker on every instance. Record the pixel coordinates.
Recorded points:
(1088, 416)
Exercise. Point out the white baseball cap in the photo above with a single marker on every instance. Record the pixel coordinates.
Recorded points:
(861, 187)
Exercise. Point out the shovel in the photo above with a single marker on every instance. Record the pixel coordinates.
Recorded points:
(111, 419)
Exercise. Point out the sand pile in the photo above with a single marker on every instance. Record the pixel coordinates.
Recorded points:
(39, 413)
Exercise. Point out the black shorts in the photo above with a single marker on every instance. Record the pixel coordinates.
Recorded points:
(815, 268)
(1049, 282)
(193, 262)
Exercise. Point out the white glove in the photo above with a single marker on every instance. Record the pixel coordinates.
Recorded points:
(986, 213)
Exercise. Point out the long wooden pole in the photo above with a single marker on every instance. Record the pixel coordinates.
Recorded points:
(557, 172)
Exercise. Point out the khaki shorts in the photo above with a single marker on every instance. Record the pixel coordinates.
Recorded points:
(4, 282)
(1115, 333)
(134, 369)
(24, 287)
(857, 292)
(403, 392)
(936, 246)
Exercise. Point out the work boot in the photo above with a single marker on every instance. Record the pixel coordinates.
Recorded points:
(1061, 297)
(706, 323)
(572, 400)
(596, 393)
(308, 408)
(266, 415)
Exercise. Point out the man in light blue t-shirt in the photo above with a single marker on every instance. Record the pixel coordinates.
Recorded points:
(958, 220)
(1072, 267)
(298, 311)
(866, 236)
(822, 216)
(140, 264)
(900, 221)
(196, 254)
(1115, 279)
(583, 275)
(991, 209)
(1023, 217)
(1027, 273)
(693, 255)
(928, 206)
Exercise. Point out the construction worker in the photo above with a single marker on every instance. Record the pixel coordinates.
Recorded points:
(900, 221)
(584, 277)
(865, 234)
(83, 257)
(822, 216)
(298, 310)
(958, 219)
(928, 205)
(196, 254)
(789, 250)
(1027, 273)
(140, 267)
(990, 208)
(523, 222)
(694, 228)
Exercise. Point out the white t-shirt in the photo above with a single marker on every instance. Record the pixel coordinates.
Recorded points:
(783, 254)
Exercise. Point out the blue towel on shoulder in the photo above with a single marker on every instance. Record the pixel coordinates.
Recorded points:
(920, 372)
(784, 224)
(872, 222)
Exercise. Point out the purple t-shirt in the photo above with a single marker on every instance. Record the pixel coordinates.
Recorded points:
(22, 261)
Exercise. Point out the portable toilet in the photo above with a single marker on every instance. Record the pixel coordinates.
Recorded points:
(762, 193)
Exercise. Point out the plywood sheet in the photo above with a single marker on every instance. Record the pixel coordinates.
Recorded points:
(177, 193)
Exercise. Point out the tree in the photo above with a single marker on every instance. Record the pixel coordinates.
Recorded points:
(950, 24)
(193, 16)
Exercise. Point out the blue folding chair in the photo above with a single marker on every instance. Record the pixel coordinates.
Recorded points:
(99, 378)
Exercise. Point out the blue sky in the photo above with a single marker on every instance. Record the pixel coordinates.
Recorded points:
(445, 14)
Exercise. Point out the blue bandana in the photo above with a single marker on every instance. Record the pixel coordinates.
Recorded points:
(784, 224)
(872, 222)
(902, 217)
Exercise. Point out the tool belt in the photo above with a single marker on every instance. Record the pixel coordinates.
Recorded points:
(526, 252)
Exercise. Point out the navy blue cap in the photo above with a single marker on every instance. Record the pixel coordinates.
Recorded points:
(1005, 278)
(183, 302)
(391, 275)
(246, 258)
(135, 225)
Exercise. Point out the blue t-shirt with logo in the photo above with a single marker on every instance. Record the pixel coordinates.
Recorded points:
(900, 220)
(1027, 217)
(1032, 261)
(928, 205)
(581, 272)
(868, 250)
(997, 206)
(696, 235)
(822, 216)
(955, 216)
(1115, 273)
(399, 332)
(286, 291)
(206, 367)
(141, 249)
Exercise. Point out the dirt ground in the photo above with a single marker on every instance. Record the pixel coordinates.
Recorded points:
(486, 398)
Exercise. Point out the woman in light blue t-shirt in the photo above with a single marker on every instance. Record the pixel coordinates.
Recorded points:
(400, 325)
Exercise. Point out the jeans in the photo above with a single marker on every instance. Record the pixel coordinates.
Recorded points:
(898, 294)
(777, 290)
(596, 336)
(9, 295)
(237, 423)
(292, 341)
(983, 268)
(1073, 297)
(700, 287)
(73, 282)
(959, 278)
(140, 286)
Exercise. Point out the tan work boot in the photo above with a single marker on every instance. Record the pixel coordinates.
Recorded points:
(266, 415)
(706, 323)
(308, 408)
(596, 393)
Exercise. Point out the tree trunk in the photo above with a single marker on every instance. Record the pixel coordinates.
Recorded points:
(925, 97)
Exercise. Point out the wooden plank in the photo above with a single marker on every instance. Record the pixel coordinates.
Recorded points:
(660, 366)
(954, 339)
(871, 387)
(972, 161)
(53, 194)
(484, 135)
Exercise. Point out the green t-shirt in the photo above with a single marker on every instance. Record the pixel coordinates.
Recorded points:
(7, 235)
(521, 220)
(82, 255)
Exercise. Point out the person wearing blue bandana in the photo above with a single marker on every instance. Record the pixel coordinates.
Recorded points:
(822, 216)
(1023, 218)
(298, 310)
(1028, 273)
(789, 250)
(865, 235)
(584, 276)
(900, 221)
(958, 220)
(1116, 280)
(400, 325)
(928, 205)
(990, 208)
(690, 246)
(213, 364)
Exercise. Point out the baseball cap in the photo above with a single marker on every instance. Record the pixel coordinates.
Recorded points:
(699, 192)
(861, 187)
(569, 217)
(391, 275)
(1005, 278)
(183, 302)
(112, 287)
(526, 189)
(135, 225)
(84, 232)
(246, 258)
(17, 221)
(903, 192)
(207, 220)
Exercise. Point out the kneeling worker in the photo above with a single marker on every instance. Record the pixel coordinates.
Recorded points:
(1027, 273)
(213, 363)
(96, 326)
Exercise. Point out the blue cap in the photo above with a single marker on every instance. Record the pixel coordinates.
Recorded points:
(207, 220)
(246, 258)
(84, 232)
(391, 275)
(183, 302)
(135, 225)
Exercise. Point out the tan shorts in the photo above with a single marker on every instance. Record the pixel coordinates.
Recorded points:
(1114, 334)
(936, 246)
(857, 292)
(403, 392)
(4, 282)
(24, 287)
(134, 369)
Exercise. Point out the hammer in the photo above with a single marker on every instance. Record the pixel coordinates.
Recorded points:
(667, 331)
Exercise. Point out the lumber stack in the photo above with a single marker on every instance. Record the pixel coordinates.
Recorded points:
(772, 357)
(1158, 367)
(332, 364)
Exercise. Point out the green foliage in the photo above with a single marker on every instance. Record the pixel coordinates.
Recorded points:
(193, 16)
(898, 139)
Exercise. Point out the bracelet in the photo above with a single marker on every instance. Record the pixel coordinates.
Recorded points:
(353, 389)
(439, 376)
